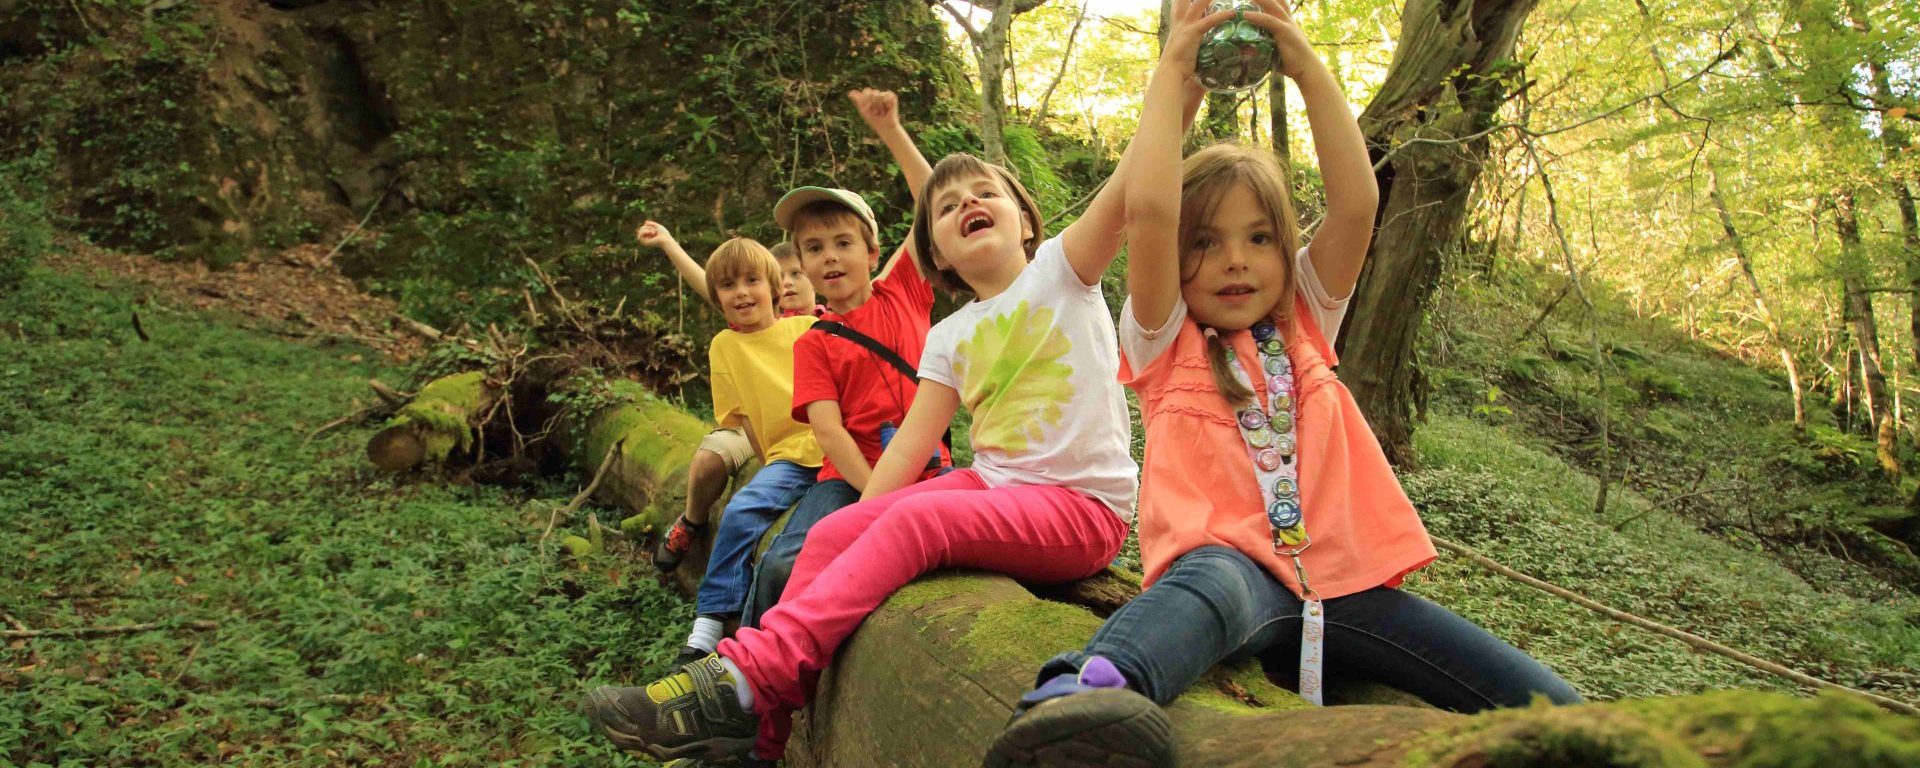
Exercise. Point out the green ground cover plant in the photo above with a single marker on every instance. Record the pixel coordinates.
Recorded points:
(363, 619)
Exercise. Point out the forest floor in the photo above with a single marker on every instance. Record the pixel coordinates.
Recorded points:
(364, 618)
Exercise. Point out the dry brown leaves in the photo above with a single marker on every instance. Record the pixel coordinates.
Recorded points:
(294, 293)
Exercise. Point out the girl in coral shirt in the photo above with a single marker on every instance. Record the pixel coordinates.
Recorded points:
(1270, 522)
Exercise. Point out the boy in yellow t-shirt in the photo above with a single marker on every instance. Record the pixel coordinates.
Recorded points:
(752, 366)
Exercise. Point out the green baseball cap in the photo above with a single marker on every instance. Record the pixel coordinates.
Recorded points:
(801, 197)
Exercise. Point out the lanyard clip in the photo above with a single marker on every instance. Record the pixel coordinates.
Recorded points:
(1299, 568)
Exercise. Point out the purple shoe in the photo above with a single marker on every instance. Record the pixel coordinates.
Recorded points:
(1086, 719)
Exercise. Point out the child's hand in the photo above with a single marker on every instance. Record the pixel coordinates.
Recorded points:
(1296, 54)
(652, 235)
(1188, 23)
(881, 109)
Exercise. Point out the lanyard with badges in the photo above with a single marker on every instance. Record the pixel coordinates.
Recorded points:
(1272, 442)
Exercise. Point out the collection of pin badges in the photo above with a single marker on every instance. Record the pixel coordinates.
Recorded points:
(1271, 437)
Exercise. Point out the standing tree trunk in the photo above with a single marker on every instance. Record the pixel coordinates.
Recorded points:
(993, 75)
(1446, 84)
(1865, 330)
(990, 53)
(1759, 300)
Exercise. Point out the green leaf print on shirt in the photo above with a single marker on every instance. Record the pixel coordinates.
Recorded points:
(1016, 396)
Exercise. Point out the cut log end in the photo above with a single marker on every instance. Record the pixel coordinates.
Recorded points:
(396, 448)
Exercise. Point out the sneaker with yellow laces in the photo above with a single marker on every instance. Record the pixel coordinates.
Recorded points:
(692, 713)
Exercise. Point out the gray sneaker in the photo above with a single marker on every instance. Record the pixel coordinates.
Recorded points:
(693, 712)
(1089, 720)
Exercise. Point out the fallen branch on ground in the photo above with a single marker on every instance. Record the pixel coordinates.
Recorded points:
(124, 629)
(1692, 640)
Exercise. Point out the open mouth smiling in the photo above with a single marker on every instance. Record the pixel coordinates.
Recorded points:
(974, 221)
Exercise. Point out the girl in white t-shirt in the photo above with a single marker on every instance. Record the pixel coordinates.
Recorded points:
(1034, 358)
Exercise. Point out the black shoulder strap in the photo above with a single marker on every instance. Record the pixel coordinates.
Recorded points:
(893, 358)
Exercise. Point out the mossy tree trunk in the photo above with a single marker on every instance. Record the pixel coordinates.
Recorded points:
(932, 677)
(1448, 79)
(1866, 331)
(445, 417)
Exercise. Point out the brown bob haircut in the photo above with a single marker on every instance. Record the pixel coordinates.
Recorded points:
(953, 168)
(737, 257)
(1205, 179)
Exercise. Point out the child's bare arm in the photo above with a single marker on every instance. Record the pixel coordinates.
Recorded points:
(906, 457)
(1353, 196)
(653, 235)
(1094, 239)
(1153, 199)
(837, 443)
(881, 111)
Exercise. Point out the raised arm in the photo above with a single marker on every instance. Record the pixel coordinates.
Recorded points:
(1153, 181)
(1353, 196)
(881, 111)
(1092, 240)
(919, 436)
(653, 235)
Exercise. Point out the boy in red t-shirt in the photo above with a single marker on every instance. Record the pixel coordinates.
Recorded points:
(851, 395)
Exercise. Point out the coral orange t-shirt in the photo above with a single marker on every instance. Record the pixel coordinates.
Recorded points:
(1198, 486)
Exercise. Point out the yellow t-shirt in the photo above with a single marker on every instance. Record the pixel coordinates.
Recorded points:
(753, 387)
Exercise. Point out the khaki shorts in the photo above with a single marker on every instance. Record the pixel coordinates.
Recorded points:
(731, 445)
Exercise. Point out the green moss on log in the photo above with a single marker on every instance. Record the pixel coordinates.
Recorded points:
(1724, 729)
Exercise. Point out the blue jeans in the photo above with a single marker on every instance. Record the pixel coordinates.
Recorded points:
(776, 566)
(1215, 604)
(748, 515)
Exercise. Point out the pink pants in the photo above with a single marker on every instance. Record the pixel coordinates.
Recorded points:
(856, 557)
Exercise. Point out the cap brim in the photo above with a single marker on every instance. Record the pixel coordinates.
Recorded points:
(800, 197)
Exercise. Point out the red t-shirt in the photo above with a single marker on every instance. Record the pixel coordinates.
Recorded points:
(869, 390)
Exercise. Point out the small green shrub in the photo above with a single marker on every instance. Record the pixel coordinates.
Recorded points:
(26, 225)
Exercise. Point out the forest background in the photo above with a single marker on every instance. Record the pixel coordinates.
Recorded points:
(1640, 319)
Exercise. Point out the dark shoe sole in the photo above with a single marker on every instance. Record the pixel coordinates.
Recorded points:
(1096, 729)
(601, 708)
(667, 564)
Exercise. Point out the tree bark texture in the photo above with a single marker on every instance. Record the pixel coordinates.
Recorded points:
(1866, 332)
(932, 676)
(1760, 307)
(993, 75)
(1446, 83)
(443, 418)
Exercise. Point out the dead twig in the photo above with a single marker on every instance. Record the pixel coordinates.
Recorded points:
(388, 394)
(327, 260)
(1692, 640)
(355, 417)
(581, 498)
(124, 629)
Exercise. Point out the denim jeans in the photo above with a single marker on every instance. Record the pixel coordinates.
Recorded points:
(748, 515)
(776, 566)
(1215, 604)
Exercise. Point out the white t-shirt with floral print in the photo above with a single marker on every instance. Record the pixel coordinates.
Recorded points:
(1038, 367)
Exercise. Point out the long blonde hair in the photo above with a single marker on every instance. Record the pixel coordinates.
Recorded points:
(1205, 179)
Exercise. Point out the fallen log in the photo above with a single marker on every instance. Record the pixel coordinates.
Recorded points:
(443, 418)
(931, 677)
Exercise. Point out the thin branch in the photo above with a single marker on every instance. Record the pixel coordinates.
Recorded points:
(1522, 129)
(581, 497)
(1066, 55)
(1692, 640)
(328, 259)
(124, 629)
